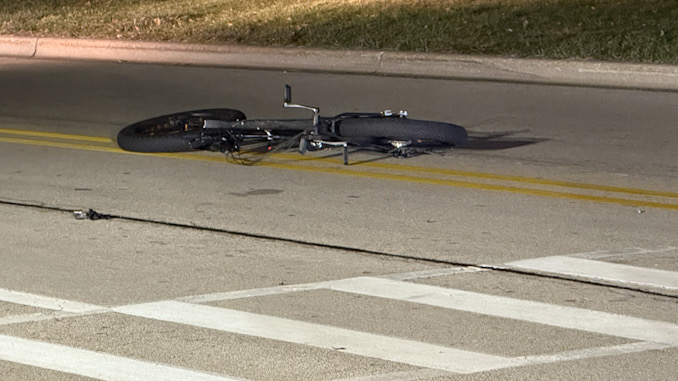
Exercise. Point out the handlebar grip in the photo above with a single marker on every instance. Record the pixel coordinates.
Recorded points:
(288, 94)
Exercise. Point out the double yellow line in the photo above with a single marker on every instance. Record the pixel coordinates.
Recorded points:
(385, 171)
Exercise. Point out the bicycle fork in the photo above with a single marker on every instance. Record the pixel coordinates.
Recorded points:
(305, 141)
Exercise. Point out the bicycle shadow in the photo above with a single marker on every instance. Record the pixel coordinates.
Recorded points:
(494, 141)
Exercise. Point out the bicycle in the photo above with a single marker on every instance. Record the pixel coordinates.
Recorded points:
(229, 131)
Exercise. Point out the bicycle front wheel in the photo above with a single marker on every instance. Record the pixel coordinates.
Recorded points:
(175, 132)
(401, 129)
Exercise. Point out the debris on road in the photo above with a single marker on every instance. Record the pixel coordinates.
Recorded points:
(90, 215)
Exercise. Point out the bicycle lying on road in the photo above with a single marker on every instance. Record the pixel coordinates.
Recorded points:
(229, 131)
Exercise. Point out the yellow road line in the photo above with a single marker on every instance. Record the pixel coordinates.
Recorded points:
(493, 176)
(483, 186)
(399, 167)
(47, 143)
(55, 135)
(531, 180)
(102, 148)
(386, 176)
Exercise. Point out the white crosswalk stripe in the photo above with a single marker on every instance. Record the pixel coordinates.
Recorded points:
(653, 334)
(321, 336)
(525, 310)
(46, 302)
(433, 359)
(93, 364)
(591, 269)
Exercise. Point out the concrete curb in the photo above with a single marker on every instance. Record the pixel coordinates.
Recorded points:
(18, 46)
(559, 72)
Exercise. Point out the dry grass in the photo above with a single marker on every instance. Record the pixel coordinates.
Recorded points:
(621, 30)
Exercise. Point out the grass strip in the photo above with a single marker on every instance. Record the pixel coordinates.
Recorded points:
(612, 30)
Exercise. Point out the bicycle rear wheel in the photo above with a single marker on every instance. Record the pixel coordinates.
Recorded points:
(419, 132)
(174, 132)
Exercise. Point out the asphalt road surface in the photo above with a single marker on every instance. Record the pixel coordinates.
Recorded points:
(546, 249)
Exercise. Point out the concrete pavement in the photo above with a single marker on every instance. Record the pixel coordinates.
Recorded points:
(123, 299)
(425, 65)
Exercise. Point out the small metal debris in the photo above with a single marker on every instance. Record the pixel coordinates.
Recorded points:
(90, 215)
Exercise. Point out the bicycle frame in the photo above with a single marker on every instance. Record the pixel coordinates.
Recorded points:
(314, 134)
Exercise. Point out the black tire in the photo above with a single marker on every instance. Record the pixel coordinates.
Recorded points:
(173, 133)
(401, 129)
